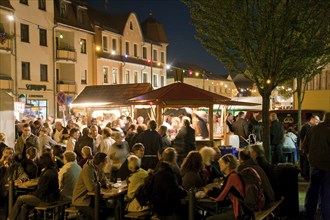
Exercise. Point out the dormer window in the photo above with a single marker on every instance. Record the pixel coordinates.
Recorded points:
(80, 17)
(131, 25)
(63, 9)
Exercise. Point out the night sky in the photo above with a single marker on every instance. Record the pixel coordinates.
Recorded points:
(175, 17)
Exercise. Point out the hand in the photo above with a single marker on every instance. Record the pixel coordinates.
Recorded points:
(18, 182)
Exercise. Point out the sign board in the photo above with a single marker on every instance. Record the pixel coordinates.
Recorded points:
(62, 108)
(61, 98)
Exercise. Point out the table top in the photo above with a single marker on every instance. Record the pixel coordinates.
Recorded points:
(113, 192)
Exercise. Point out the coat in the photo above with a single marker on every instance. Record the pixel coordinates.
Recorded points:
(135, 180)
(276, 133)
(67, 178)
(241, 128)
(21, 145)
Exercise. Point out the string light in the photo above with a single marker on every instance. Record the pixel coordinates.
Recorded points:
(61, 35)
(268, 81)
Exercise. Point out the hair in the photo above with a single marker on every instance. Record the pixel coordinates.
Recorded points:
(33, 152)
(273, 116)
(137, 146)
(26, 125)
(132, 127)
(135, 160)
(94, 127)
(2, 136)
(152, 124)
(86, 150)
(258, 149)
(70, 156)
(8, 148)
(85, 131)
(46, 161)
(193, 162)
(99, 157)
(141, 128)
(240, 114)
(73, 131)
(231, 160)
(169, 154)
(107, 131)
(45, 130)
(186, 121)
(244, 155)
(57, 150)
(259, 117)
(206, 153)
(163, 128)
(37, 122)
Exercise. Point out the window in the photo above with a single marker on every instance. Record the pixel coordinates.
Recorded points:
(105, 43)
(162, 57)
(210, 88)
(136, 77)
(127, 48)
(42, 4)
(105, 74)
(25, 71)
(144, 53)
(114, 76)
(25, 2)
(155, 55)
(145, 77)
(114, 44)
(36, 107)
(25, 33)
(155, 80)
(43, 72)
(83, 77)
(127, 76)
(80, 17)
(215, 89)
(162, 81)
(42, 37)
(63, 10)
(131, 25)
(135, 50)
(83, 46)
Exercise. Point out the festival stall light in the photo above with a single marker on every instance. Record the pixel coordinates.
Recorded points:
(113, 52)
(168, 66)
(158, 64)
(10, 17)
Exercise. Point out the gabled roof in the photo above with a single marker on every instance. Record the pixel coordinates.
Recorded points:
(153, 30)
(110, 94)
(6, 5)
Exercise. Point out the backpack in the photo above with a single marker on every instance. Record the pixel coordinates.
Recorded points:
(144, 193)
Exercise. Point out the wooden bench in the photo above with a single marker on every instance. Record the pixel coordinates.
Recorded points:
(138, 215)
(73, 211)
(265, 213)
(56, 209)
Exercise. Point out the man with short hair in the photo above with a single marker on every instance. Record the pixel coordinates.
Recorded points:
(60, 133)
(68, 175)
(84, 140)
(26, 140)
(317, 148)
(167, 194)
(241, 128)
(91, 173)
(162, 131)
(276, 139)
(97, 138)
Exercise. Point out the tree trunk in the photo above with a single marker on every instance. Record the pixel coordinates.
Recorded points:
(299, 101)
(266, 124)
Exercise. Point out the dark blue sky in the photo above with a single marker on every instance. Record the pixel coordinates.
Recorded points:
(175, 17)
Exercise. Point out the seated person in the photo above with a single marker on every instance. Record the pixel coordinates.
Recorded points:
(210, 169)
(228, 164)
(58, 156)
(86, 153)
(192, 172)
(246, 161)
(68, 175)
(46, 193)
(86, 183)
(29, 164)
(135, 180)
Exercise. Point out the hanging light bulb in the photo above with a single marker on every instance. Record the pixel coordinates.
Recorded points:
(61, 35)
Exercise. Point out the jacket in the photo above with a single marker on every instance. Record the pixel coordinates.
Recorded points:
(192, 179)
(276, 133)
(317, 146)
(82, 142)
(67, 178)
(167, 194)
(86, 183)
(22, 145)
(135, 180)
(241, 128)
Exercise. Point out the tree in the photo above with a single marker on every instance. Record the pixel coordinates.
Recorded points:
(269, 41)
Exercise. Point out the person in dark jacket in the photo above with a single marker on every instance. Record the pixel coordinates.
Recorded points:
(167, 194)
(47, 190)
(276, 139)
(241, 128)
(29, 164)
(152, 141)
(84, 140)
(317, 147)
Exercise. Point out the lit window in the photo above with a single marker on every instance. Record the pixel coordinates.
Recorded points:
(131, 25)
(84, 77)
(105, 74)
(114, 76)
(127, 77)
(136, 77)
(127, 48)
(155, 57)
(105, 43)
(83, 46)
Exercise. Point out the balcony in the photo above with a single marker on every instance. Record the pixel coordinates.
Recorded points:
(5, 46)
(5, 82)
(68, 54)
(66, 86)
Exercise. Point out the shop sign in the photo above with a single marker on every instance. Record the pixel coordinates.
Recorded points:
(36, 96)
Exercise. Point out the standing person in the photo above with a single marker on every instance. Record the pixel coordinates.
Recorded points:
(94, 122)
(47, 190)
(276, 138)
(68, 175)
(84, 140)
(91, 173)
(26, 140)
(229, 122)
(162, 131)
(74, 135)
(257, 128)
(241, 128)
(317, 147)
(131, 132)
(105, 147)
(45, 140)
(2, 143)
(167, 194)
(60, 133)
(152, 141)
(304, 164)
(97, 138)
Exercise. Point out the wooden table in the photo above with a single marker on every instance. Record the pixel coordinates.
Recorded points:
(115, 193)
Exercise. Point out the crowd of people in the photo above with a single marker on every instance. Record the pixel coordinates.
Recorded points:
(73, 158)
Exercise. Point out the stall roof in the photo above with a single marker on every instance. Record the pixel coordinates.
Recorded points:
(105, 95)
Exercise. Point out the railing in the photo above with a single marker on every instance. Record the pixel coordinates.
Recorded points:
(66, 86)
(67, 54)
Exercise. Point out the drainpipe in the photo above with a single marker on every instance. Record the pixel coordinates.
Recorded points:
(54, 71)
